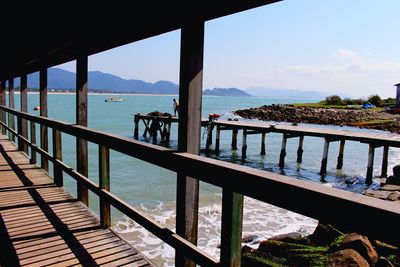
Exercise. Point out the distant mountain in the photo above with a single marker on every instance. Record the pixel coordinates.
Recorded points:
(225, 92)
(290, 93)
(100, 81)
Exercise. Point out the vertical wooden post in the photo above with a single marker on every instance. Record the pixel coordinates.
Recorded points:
(217, 137)
(57, 155)
(81, 119)
(189, 131)
(234, 139)
(300, 150)
(168, 131)
(19, 131)
(231, 232)
(104, 175)
(282, 155)
(11, 121)
(24, 108)
(136, 130)
(385, 156)
(262, 153)
(340, 156)
(33, 142)
(3, 103)
(210, 128)
(154, 129)
(324, 161)
(244, 144)
(370, 167)
(44, 139)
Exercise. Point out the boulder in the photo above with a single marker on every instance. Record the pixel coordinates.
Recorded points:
(348, 258)
(324, 234)
(362, 245)
(383, 262)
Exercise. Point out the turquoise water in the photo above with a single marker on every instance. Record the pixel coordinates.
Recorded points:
(151, 189)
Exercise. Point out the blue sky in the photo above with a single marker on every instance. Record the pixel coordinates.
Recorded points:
(347, 46)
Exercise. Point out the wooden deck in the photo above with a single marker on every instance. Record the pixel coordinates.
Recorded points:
(41, 224)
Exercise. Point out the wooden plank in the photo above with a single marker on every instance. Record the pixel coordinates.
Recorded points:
(104, 177)
(3, 103)
(385, 156)
(189, 131)
(231, 232)
(44, 142)
(82, 119)
(57, 154)
(24, 108)
(33, 141)
(11, 119)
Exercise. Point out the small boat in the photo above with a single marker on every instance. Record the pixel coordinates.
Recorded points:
(114, 99)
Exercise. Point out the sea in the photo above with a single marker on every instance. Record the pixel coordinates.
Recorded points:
(152, 190)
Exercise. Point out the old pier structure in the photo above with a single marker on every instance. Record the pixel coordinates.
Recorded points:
(288, 131)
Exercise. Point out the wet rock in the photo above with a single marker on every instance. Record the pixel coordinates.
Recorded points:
(294, 237)
(394, 196)
(347, 257)
(385, 249)
(324, 234)
(383, 262)
(249, 238)
(246, 249)
(362, 245)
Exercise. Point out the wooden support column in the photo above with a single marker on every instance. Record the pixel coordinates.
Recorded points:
(231, 232)
(11, 120)
(370, 167)
(244, 144)
(57, 155)
(136, 130)
(234, 139)
(189, 131)
(300, 150)
(44, 142)
(24, 108)
(168, 131)
(3, 103)
(262, 153)
(340, 156)
(33, 142)
(81, 119)
(385, 156)
(324, 161)
(104, 175)
(283, 151)
(210, 128)
(217, 137)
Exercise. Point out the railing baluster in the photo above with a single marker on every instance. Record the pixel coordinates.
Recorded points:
(19, 130)
(57, 155)
(104, 176)
(231, 232)
(33, 141)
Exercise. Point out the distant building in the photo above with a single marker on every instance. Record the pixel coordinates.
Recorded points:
(397, 95)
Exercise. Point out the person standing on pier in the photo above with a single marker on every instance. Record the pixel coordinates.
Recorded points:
(176, 107)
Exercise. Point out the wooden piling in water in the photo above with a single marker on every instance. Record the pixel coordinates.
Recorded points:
(262, 153)
(136, 130)
(234, 139)
(340, 156)
(217, 137)
(370, 167)
(300, 150)
(210, 128)
(282, 155)
(324, 161)
(385, 156)
(167, 131)
(244, 144)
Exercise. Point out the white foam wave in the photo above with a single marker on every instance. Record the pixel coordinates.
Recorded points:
(261, 220)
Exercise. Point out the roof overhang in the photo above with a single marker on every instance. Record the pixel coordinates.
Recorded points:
(39, 37)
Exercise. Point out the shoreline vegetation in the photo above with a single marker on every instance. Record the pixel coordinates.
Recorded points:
(379, 116)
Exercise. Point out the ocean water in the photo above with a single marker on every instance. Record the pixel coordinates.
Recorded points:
(152, 189)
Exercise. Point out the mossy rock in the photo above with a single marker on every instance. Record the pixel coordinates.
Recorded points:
(334, 246)
(394, 259)
(283, 249)
(325, 234)
(308, 259)
(254, 259)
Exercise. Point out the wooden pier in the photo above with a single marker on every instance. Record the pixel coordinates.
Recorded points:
(42, 224)
(384, 140)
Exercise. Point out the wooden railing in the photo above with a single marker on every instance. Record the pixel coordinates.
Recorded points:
(369, 216)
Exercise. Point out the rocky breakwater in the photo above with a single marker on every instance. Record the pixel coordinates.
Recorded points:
(371, 119)
(298, 114)
(327, 246)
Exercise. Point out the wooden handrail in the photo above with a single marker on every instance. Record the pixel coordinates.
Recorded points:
(373, 217)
